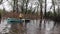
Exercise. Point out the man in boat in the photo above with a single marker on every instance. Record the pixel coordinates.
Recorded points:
(20, 15)
(21, 24)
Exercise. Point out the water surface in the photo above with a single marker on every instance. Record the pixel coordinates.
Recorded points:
(33, 27)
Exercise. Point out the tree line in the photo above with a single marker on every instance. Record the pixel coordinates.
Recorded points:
(22, 6)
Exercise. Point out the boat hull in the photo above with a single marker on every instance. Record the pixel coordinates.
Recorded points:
(14, 21)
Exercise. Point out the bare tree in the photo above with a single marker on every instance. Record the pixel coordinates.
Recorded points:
(53, 7)
(1, 1)
(58, 10)
(22, 6)
(14, 6)
(27, 1)
(0, 12)
(54, 11)
(41, 12)
(17, 5)
(45, 7)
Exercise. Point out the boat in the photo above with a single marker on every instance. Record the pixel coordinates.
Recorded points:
(27, 20)
(14, 20)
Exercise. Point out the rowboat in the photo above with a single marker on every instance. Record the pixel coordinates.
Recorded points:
(14, 20)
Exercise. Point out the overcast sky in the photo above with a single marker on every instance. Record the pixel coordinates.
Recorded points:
(8, 7)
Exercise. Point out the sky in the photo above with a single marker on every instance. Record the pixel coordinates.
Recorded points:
(8, 7)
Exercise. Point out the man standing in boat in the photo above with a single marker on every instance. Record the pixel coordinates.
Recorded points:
(20, 15)
(21, 24)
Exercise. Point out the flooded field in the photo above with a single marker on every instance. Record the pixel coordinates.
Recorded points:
(33, 27)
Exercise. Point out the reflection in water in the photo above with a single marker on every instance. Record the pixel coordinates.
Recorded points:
(4, 26)
(49, 25)
(33, 27)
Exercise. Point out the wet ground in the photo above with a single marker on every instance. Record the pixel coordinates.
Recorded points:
(49, 27)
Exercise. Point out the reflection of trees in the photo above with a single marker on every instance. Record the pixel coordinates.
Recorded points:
(41, 12)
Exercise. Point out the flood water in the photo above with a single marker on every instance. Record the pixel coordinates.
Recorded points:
(33, 27)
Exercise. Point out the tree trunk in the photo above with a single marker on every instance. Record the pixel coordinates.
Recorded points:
(0, 18)
(41, 13)
(17, 5)
(58, 10)
(45, 12)
(45, 7)
(14, 6)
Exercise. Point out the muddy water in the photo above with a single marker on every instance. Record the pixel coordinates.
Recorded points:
(47, 27)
